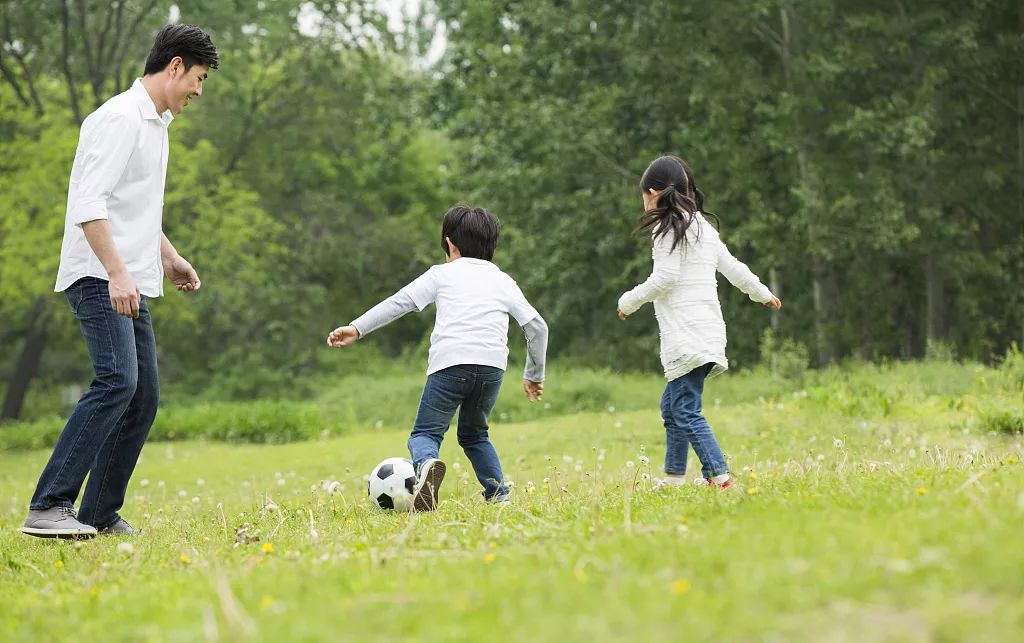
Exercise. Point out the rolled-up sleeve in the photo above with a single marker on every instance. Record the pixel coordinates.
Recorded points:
(107, 146)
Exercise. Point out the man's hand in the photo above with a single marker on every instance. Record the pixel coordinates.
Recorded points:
(342, 336)
(124, 294)
(534, 390)
(774, 303)
(182, 274)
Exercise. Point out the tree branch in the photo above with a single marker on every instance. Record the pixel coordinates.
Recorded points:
(132, 28)
(27, 73)
(12, 80)
(66, 63)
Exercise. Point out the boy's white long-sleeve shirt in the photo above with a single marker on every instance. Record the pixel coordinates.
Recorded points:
(684, 289)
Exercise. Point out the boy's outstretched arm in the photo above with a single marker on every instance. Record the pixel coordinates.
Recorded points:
(382, 314)
(536, 332)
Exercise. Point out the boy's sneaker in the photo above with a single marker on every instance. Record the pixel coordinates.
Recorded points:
(501, 498)
(56, 522)
(427, 484)
(119, 528)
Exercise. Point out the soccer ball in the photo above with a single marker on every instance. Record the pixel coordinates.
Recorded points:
(391, 483)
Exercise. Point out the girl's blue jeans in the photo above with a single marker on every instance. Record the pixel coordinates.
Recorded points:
(685, 425)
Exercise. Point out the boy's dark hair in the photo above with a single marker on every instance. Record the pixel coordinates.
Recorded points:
(188, 41)
(474, 231)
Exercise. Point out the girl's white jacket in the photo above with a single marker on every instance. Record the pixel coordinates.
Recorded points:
(684, 290)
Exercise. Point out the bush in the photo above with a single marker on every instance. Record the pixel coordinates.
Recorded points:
(263, 421)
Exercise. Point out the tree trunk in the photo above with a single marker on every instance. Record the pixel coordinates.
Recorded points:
(935, 321)
(28, 361)
(823, 278)
(1020, 169)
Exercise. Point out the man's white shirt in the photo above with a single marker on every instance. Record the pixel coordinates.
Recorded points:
(119, 174)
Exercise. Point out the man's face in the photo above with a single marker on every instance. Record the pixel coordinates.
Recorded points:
(185, 85)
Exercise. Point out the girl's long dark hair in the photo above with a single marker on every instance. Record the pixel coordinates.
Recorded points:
(679, 200)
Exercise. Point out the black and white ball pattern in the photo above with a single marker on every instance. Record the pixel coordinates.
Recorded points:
(391, 483)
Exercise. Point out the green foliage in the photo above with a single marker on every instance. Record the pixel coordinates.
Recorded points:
(899, 529)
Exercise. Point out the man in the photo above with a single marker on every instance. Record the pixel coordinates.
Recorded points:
(113, 257)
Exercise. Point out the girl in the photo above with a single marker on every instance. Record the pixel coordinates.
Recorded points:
(683, 287)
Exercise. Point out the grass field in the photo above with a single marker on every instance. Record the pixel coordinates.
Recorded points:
(880, 504)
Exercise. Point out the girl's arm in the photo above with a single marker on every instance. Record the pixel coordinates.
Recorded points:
(741, 276)
(666, 271)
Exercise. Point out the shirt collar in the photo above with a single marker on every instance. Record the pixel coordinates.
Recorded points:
(146, 106)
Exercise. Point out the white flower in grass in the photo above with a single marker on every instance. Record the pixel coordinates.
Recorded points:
(335, 488)
(821, 456)
(182, 494)
(568, 459)
(379, 424)
(644, 460)
(281, 481)
(546, 480)
(277, 474)
(911, 454)
(126, 548)
(246, 483)
(200, 482)
(611, 409)
(456, 466)
(144, 482)
(887, 442)
(195, 500)
(618, 424)
(578, 468)
(837, 443)
(630, 464)
(160, 484)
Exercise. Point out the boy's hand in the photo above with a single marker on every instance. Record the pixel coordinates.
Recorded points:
(774, 303)
(342, 336)
(622, 315)
(534, 390)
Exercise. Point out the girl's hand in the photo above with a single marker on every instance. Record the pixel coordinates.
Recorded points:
(622, 315)
(342, 336)
(774, 303)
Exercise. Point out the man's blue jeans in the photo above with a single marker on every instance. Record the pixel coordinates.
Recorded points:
(105, 433)
(686, 425)
(475, 389)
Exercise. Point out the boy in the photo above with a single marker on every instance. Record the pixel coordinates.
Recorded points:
(468, 349)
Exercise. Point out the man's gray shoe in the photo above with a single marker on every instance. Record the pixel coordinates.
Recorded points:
(119, 528)
(56, 522)
(427, 483)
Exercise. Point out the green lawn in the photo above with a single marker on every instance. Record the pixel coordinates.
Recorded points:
(885, 513)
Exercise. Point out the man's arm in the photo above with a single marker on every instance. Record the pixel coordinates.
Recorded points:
(124, 291)
(178, 270)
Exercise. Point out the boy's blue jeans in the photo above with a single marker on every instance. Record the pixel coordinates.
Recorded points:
(105, 433)
(686, 425)
(475, 389)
